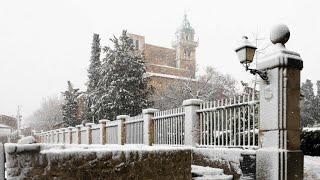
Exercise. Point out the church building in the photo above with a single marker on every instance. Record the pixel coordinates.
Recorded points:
(165, 65)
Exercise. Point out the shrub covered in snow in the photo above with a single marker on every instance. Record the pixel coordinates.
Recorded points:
(310, 141)
(27, 140)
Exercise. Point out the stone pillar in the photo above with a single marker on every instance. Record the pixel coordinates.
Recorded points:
(56, 132)
(78, 132)
(42, 137)
(63, 131)
(52, 135)
(69, 129)
(45, 140)
(191, 125)
(89, 132)
(148, 126)
(279, 156)
(2, 161)
(103, 131)
(121, 129)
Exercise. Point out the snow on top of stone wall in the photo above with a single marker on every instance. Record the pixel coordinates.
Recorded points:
(227, 154)
(61, 151)
(312, 129)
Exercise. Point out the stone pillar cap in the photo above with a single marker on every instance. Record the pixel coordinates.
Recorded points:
(103, 121)
(190, 102)
(123, 117)
(149, 111)
(70, 127)
(79, 126)
(280, 34)
(280, 56)
(89, 124)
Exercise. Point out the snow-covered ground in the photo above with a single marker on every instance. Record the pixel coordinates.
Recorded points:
(311, 167)
(208, 173)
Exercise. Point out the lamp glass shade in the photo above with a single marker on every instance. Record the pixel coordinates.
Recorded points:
(246, 54)
(245, 51)
(250, 54)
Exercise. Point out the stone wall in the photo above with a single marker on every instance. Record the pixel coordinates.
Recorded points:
(159, 55)
(38, 161)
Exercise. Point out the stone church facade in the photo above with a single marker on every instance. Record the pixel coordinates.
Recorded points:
(166, 65)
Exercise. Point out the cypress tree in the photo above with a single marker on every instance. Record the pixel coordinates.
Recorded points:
(93, 76)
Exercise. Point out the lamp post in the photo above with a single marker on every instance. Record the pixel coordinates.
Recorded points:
(245, 54)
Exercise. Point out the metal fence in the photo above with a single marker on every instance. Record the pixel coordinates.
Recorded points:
(95, 133)
(230, 122)
(112, 132)
(169, 127)
(134, 130)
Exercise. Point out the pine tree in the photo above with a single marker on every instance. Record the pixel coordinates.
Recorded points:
(122, 88)
(94, 76)
(317, 104)
(70, 106)
(308, 110)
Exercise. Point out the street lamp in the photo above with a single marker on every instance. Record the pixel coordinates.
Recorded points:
(245, 54)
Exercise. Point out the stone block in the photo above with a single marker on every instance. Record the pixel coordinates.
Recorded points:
(274, 163)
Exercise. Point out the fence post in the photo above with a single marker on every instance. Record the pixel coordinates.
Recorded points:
(279, 156)
(42, 137)
(57, 136)
(89, 132)
(46, 137)
(122, 129)
(191, 122)
(148, 126)
(103, 131)
(69, 129)
(62, 130)
(2, 161)
(51, 137)
(78, 132)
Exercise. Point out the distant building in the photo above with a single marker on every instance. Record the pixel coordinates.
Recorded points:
(165, 65)
(8, 121)
(7, 125)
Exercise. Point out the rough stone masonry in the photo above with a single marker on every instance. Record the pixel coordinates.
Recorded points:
(38, 161)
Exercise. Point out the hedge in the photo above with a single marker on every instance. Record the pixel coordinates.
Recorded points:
(310, 141)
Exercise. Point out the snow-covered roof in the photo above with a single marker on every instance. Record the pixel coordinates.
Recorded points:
(4, 126)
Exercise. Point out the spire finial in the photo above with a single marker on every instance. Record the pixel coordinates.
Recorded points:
(185, 14)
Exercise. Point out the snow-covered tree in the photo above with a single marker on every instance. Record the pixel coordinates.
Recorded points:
(94, 76)
(122, 88)
(308, 105)
(47, 116)
(70, 106)
(211, 85)
(317, 104)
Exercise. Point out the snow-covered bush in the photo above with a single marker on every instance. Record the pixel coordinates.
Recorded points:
(13, 137)
(27, 140)
(310, 141)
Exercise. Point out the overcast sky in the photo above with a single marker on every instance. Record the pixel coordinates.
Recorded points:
(45, 43)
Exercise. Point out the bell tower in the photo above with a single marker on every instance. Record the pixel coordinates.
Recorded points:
(185, 47)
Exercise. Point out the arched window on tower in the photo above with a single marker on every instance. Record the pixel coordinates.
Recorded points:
(186, 54)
